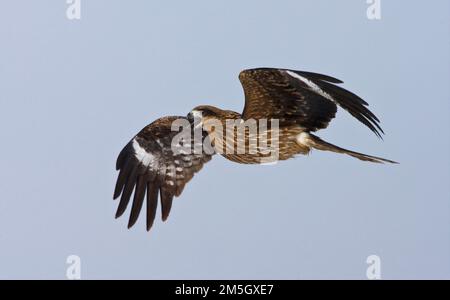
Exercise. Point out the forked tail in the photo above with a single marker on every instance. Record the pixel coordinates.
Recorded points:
(319, 144)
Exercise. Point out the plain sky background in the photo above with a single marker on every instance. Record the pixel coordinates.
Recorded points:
(72, 93)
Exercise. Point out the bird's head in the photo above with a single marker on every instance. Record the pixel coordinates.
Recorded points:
(205, 111)
(206, 114)
(201, 114)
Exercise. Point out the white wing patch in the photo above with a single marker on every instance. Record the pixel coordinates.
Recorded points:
(147, 159)
(313, 87)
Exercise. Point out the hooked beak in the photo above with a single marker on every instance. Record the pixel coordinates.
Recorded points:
(195, 118)
(191, 118)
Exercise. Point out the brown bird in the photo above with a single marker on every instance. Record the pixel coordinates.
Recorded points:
(282, 108)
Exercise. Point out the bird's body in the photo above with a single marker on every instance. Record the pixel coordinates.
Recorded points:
(286, 147)
(265, 137)
(282, 109)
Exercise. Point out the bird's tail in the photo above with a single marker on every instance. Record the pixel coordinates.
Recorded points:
(319, 144)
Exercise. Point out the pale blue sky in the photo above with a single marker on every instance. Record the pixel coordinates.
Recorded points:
(72, 93)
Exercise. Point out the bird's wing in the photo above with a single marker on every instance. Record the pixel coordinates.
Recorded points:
(157, 161)
(307, 99)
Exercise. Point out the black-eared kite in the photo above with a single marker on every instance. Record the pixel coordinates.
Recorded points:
(293, 104)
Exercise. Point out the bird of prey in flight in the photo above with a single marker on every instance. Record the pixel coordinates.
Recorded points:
(296, 103)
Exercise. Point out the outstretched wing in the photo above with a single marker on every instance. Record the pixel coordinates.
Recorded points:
(157, 161)
(307, 99)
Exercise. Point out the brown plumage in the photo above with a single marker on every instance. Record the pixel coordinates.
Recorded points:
(148, 165)
(285, 107)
